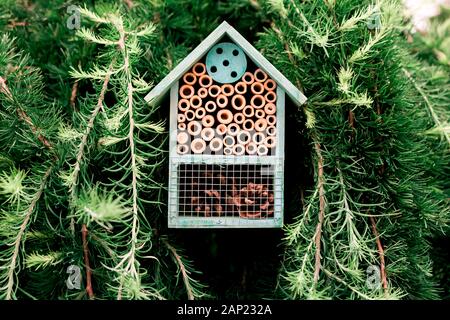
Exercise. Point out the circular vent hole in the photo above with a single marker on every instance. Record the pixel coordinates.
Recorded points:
(219, 50)
(213, 69)
(235, 52)
(234, 74)
(226, 63)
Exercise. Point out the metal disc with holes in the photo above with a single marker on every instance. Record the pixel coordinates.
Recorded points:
(226, 62)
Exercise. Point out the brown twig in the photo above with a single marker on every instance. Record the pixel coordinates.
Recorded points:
(321, 211)
(372, 219)
(381, 253)
(129, 3)
(4, 88)
(89, 290)
(182, 269)
(13, 24)
(73, 95)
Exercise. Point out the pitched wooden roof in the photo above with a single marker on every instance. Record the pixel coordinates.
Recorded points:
(156, 94)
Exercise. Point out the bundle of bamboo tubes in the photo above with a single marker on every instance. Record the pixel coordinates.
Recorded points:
(213, 193)
(230, 119)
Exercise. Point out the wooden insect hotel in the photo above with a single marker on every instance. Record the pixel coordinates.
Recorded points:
(226, 157)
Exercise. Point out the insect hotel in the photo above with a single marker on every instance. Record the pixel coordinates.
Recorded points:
(226, 157)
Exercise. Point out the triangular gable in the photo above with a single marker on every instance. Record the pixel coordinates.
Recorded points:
(164, 86)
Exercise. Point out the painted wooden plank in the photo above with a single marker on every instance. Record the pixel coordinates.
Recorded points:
(156, 94)
(173, 174)
(225, 222)
(281, 109)
(225, 160)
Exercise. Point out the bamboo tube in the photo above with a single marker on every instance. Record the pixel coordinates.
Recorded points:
(251, 148)
(229, 141)
(210, 106)
(194, 128)
(182, 126)
(249, 125)
(198, 145)
(208, 121)
(257, 88)
(260, 113)
(181, 117)
(221, 129)
(239, 118)
(258, 138)
(200, 113)
(238, 102)
(190, 78)
(257, 101)
(240, 87)
(221, 101)
(238, 149)
(182, 137)
(262, 150)
(270, 97)
(243, 137)
(205, 81)
(260, 124)
(248, 78)
(224, 116)
(271, 120)
(227, 151)
(249, 111)
(207, 134)
(202, 93)
(216, 144)
(260, 75)
(270, 108)
(270, 85)
(214, 90)
(182, 149)
(270, 142)
(271, 131)
(195, 101)
(199, 69)
(227, 89)
(190, 115)
(183, 105)
(233, 129)
(186, 91)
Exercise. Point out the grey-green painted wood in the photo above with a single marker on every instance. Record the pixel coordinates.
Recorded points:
(279, 169)
(173, 173)
(156, 94)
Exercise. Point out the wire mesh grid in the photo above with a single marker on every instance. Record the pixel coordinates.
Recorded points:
(211, 190)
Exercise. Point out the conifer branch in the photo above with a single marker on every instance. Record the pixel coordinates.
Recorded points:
(84, 139)
(429, 105)
(23, 116)
(182, 269)
(20, 236)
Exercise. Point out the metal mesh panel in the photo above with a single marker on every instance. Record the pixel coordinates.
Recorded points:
(207, 190)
